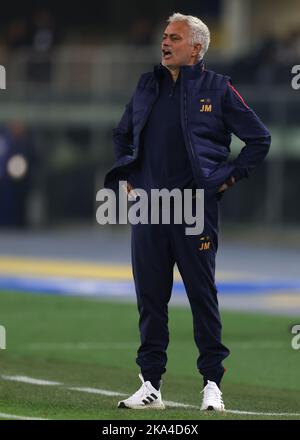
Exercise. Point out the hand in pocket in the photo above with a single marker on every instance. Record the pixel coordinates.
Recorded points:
(130, 191)
(229, 182)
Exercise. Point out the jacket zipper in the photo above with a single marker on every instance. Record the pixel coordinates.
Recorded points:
(172, 90)
(145, 119)
(187, 136)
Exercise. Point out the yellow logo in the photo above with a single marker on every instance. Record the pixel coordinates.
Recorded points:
(205, 243)
(206, 105)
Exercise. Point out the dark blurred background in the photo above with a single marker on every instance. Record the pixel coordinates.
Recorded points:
(72, 66)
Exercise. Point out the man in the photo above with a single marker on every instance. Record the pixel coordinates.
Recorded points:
(176, 133)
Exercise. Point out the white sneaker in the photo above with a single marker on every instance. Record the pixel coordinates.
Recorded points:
(212, 398)
(147, 397)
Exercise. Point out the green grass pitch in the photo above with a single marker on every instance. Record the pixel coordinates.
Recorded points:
(92, 343)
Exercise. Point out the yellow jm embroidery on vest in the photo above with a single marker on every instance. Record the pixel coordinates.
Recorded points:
(205, 243)
(206, 105)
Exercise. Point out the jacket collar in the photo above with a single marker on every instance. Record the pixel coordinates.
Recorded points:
(190, 72)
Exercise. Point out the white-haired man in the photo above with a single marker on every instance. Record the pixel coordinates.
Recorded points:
(176, 133)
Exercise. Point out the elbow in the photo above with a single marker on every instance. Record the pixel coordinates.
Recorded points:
(268, 141)
(264, 140)
(267, 135)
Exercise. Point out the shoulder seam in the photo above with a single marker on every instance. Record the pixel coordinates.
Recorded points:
(144, 79)
(215, 81)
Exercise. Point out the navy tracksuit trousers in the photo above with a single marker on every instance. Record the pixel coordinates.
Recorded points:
(155, 250)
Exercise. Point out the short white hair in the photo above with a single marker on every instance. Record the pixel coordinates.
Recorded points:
(199, 31)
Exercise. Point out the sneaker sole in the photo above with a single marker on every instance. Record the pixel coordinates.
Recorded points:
(122, 405)
(212, 408)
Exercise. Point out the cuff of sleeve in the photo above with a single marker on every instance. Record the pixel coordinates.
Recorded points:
(239, 174)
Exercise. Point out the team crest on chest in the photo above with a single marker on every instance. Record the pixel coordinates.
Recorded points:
(205, 105)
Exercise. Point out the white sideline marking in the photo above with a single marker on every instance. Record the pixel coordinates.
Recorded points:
(115, 393)
(253, 413)
(179, 405)
(13, 416)
(97, 391)
(30, 380)
(231, 411)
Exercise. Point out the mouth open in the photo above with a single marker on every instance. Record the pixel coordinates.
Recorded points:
(166, 54)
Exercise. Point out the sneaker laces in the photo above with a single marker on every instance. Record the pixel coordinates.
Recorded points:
(212, 392)
(142, 391)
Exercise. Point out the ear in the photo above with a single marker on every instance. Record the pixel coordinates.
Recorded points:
(196, 50)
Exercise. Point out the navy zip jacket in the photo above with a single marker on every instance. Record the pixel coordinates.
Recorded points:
(211, 110)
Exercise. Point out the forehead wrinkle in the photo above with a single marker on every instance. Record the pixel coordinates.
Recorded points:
(165, 33)
(172, 35)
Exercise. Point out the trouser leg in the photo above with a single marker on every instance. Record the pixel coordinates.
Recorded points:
(153, 264)
(195, 258)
